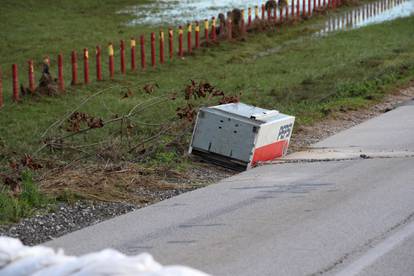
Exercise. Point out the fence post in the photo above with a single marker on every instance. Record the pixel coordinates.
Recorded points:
(319, 4)
(133, 53)
(60, 73)
(229, 29)
(31, 76)
(15, 83)
(74, 68)
(1, 89)
(171, 42)
(249, 19)
(297, 9)
(153, 62)
(111, 61)
(143, 61)
(162, 59)
(269, 15)
(189, 35)
(98, 64)
(213, 29)
(292, 14)
(256, 12)
(242, 24)
(86, 65)
(281, 15)
(197, 35)
(263, 12)
(309, 8)
(206, 27)
(287, 12)
(303, 8)
(180, 41)
(122, 52)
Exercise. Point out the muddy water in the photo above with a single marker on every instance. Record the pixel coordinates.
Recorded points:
(371, 13)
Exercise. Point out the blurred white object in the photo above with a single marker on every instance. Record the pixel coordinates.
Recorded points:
(17, 259)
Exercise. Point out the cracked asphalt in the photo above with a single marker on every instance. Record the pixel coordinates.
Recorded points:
(350, 211)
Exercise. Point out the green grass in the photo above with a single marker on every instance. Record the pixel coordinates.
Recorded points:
(306, 76)
(13, 208)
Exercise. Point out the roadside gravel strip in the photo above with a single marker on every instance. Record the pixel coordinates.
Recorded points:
(67, 218)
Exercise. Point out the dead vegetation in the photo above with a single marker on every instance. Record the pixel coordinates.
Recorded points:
(121, 157)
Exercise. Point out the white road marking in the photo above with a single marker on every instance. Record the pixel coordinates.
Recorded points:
(378, 251)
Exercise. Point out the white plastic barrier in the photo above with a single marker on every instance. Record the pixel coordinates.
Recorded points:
(17, 259)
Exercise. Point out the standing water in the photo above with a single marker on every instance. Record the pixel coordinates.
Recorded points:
(183, 11)
(370, 13)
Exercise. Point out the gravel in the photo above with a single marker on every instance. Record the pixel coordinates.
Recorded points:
(65, 218)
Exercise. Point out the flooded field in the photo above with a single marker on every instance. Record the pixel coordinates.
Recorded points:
(178, 12)
(371, 13)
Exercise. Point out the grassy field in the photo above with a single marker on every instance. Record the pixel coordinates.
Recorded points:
(290, 69)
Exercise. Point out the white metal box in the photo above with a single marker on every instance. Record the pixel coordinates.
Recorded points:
(240, 135)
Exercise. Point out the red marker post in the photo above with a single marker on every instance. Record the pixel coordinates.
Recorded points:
(303, 8)
(60, 73)
(242, 24)
(162, 59)
(249, 19)
(86, 65)
(229, 29)
(143, 61)
(122, 52)
(74, 68)
(269, 15)
(153, 62)
(171, 42)
(189, 41)
(206, 26)
(180, 42)
(213, 29)
(263, 12)
(133, 53)
(287, 13)
(297, 9)
(15, 83)
(1, 89)
(197, 35)
(31, 76)
(98, 64)
(111, 61)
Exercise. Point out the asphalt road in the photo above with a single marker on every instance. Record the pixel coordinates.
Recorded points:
(345, 207)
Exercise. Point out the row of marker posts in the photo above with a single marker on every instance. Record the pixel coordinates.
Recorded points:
(210, 35)
(353, 18)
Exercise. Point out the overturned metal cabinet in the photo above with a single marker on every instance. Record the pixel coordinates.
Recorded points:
(240, 136)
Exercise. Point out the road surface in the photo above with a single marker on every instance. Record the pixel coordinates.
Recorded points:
(345, 207)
